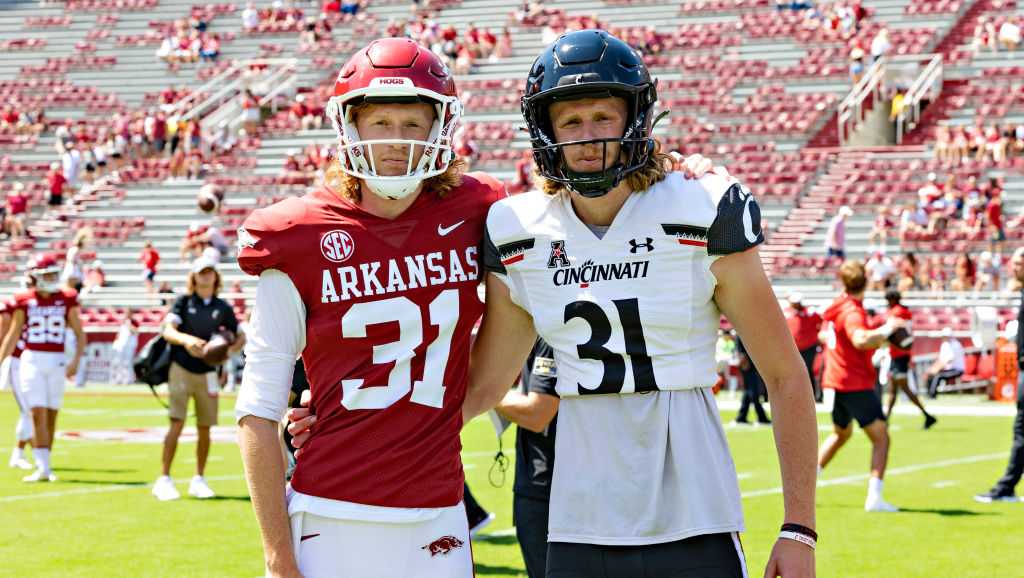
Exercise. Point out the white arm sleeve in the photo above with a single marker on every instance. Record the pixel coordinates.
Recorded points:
(276, 336)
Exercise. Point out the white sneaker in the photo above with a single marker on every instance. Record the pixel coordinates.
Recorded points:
(18, 461)
(878, 504)
(39, 476)
(197, 488)
(164, 489)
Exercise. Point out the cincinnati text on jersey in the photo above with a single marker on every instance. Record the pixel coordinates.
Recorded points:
(394, 275)
(588, 272)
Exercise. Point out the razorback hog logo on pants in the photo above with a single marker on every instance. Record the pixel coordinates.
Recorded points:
(443, 545)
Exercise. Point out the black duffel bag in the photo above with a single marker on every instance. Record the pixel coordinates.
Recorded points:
(153, 364)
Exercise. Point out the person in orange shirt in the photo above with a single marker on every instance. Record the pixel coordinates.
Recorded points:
(899, 368)
(805, 325)
(849, 371)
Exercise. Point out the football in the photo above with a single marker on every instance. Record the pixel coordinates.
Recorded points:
(901, 338)
(215, 352)
(208, 201)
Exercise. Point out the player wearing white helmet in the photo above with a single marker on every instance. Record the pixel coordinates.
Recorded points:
(45, 311)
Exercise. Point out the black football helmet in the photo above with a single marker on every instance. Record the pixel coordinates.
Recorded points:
(590, 64)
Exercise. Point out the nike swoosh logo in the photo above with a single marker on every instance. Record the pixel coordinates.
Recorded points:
(307, 537)
(443, 231)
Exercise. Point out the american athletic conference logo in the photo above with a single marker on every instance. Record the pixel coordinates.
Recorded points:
(337, 246)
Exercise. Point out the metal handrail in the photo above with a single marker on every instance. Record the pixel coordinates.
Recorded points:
(927, 84)
(851, 110)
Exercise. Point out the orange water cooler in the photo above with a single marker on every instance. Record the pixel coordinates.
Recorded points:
(1006, 371)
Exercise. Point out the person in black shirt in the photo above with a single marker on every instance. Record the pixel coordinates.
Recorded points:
(193, 320)
(1004, 490)
(752, 387)
(534, 408)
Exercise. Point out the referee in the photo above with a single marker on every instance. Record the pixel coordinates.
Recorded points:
(1003, 491)
(534, 408)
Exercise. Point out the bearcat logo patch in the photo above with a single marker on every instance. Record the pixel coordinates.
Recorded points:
(514, 252)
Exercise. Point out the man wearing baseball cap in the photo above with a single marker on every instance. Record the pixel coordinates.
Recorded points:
(192, 321)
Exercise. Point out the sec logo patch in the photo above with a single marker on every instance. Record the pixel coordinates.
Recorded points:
(337, 246)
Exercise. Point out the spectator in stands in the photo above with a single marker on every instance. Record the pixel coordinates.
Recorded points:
(856, 64)
(880, 229)
(913, 222)
(948, 366)
(1017, 140)
(56, 182)
(95, 277)
(880, 270)
(71, 163)
(805, 325)
(987, 272)
(964, 276)
(936, 281)
(994, 213)
(73, 275)
(210, 50)
(941, 146)
(17, 209)
(908, 273)
(1009, 35)
(250, 18)
(150, 257)
(835, 237)
(1003, 490)
(898, 100)
(880, 44)
(250, 111)
(292, 166)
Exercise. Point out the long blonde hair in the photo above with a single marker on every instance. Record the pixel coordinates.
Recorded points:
(655, 170)
(350, 189)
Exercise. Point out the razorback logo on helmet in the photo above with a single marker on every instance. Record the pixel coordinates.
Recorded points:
(244, 239)
(337, 246)
(443, 545)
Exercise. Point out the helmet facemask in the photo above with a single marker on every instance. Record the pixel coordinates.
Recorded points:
(46, 280)
(354, 152)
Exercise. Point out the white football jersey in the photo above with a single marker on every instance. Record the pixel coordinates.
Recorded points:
(631, 311)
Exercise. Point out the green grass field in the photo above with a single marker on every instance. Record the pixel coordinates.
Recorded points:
(100, 520)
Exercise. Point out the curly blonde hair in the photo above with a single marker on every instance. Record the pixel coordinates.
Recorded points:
(350, 189)
(657, 167)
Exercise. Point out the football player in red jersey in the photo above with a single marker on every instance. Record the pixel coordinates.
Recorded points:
(380, 264)
(9, 372)
(899, 366)
(45, 312)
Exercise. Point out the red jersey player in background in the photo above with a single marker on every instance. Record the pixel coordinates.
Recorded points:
(848, 370)
(45, 311)
(9, 377)
(899, 366)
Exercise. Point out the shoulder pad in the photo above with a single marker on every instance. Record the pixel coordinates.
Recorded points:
(257, 237)
(737, 224)
(490, 186)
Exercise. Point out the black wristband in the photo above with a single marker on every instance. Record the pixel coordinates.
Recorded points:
(800, 530)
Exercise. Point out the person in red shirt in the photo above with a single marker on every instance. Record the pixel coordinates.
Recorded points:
(849, 371)
(805, 325)
(17, 208)
(56, 181)
(899, 367)
(149, 257)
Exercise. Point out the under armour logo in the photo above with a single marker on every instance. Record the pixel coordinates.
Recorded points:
(634, 245)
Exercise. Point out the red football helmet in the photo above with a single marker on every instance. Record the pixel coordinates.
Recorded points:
(395, 70)
(44, 272)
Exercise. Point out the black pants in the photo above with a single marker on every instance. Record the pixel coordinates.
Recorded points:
(751, 396)
(474, 512)
(946, 375)
(530, 516)
(708, 556)
(808, 356)
(1016, 466)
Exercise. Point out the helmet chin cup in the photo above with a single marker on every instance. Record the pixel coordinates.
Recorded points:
(393, 188)
(593, 185)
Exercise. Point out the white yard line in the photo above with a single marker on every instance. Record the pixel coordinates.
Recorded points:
(890, 472)
(103, 490)
(946, 484)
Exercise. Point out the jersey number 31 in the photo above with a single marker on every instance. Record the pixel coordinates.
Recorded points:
(614, 375)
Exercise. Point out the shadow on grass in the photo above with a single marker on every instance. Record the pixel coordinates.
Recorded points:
(488, 570)
(228, 499)
(63, 480)
(95, 470)
(953, 512)
(499, 540)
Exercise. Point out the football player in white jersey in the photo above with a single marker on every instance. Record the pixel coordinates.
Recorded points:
(624, 269)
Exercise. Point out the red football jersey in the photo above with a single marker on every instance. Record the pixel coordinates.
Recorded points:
(900, 312)
(46, 318)
(846, 367)
(390, 305)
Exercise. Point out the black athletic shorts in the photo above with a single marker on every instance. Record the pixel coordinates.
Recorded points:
(864, 406)
(899, 366)
(707, 556)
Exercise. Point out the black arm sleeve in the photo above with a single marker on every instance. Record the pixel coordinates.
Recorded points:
(737, 226)
(492, 259)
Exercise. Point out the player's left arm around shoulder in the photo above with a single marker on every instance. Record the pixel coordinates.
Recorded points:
(744, 294)
(502, 345)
